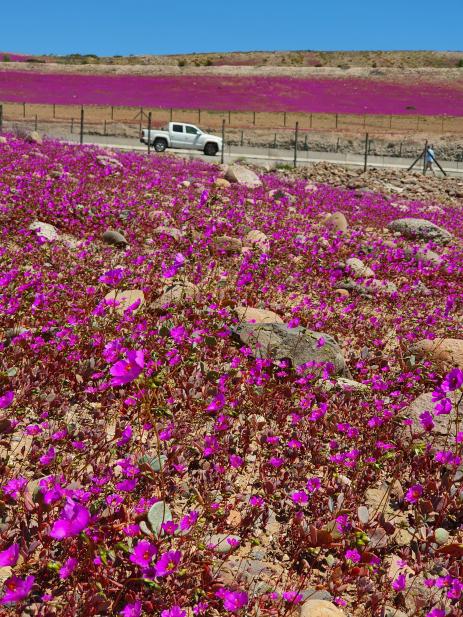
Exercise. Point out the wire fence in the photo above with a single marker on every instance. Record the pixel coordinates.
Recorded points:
(294, 145)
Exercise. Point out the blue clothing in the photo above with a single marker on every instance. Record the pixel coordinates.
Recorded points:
(430, 155)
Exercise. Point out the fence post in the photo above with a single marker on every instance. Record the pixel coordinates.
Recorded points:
(241, 142)
(254, 117)
(149, 132)
(82, 125)
(336, 121)
(365, 164)
(310, 124)
(275, 140)
(24, 110)
(295, 143)
(199, 116)
(35, 124)
(223, 141)
(105, 127)
(171, 114)
(72, 125)
(229, 117)
(1, 117)
(54, 111)
(284, 118)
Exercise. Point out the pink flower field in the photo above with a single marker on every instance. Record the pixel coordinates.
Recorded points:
(217, 398)
(344, 96)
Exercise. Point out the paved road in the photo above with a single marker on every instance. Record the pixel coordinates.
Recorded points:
(266, 156)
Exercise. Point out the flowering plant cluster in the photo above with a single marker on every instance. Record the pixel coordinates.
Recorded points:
(154, 464)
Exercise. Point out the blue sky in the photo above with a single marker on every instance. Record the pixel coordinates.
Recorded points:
(109, 27)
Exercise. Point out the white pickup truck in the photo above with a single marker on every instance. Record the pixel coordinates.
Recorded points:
(181, 135)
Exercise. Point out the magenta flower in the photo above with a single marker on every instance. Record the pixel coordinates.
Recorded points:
(9, 557)
(6, 399)
(436, 612)
(443, 407)
(426, 420)
(353, 555)
(14, 487)
(313, 484)
(300, 497)
(74, 519)
(143, 553)
(132, 610)
(125, 371)
(67, 568)
(235, 461)
(48, 457)
(168, 563)
(171, 271)
(453, 381)
(292, 596)
(343, 525)
(414, 493)
(175, 611)
(16, 589)
(232, 600)
(398, 584)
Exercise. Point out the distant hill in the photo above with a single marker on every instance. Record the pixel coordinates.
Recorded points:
(303, 58)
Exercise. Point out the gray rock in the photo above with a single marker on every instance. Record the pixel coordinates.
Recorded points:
(315, 594)
(180, 292)
(420, 229)
(278, 342)
(115, 238)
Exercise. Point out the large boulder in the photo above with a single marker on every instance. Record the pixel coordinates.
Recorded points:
(276, 341)
(242, 175)
(44, 230)
(420, 229)
(446, 352)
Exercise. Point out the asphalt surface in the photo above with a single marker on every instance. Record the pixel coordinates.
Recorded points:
(271, 156)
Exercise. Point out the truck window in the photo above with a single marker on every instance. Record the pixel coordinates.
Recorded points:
(191, 130)
(177, 128)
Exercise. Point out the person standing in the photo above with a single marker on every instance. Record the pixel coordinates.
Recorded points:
(429, 160)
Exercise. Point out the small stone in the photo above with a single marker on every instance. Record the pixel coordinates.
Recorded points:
(254, 315)
(337, 222)
(44, 230)
(257, 239)
(34, 138)
(172, 232)
(448, 352)
(320, 608)
(441, 535)
(222, 183)
(225, 245)
(219, 542)
(158, 514)
(358, 268)
(242, 175)
(122, 300)
(115, 238)
(177, 293)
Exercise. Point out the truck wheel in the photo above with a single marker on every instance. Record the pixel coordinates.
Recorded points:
(211, 149)
(160, 145)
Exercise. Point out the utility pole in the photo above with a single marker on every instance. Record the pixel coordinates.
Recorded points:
(149, 132)
(82, 125)
(295, 143)
(223, 141)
